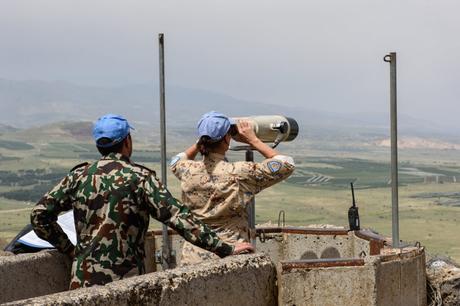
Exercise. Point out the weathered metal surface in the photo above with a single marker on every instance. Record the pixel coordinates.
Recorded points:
(287, 230)
(375, 247)
(369, 235)
(398, 254)
(376, 242)
(165, 247)
(391, 58)
(149, 246)
(302, 230)
(307, 264)
(251, 208)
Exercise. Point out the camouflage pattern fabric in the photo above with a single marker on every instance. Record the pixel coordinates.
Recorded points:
(218, 192)
(112, 200)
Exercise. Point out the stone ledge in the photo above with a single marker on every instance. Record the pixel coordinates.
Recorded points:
(29, 275)
(236, 280)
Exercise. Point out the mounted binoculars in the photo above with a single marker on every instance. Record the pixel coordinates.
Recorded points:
(273, 129)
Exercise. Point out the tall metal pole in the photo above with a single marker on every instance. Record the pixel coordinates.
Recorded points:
(251, 209)
(391, 58)
(166, 252)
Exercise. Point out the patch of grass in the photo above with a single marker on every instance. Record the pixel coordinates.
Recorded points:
(8, 158)
(14, 215)
(421, 218)
(15, 145)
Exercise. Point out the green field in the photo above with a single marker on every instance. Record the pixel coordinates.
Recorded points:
(318, 192)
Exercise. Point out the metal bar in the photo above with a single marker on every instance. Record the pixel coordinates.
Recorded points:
(251, 209)
(308, 264)
(165, 247)
(391, 58)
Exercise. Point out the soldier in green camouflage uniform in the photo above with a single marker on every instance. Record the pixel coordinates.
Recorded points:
(112, 200)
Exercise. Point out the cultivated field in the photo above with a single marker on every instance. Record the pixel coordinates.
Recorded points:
(318, 192)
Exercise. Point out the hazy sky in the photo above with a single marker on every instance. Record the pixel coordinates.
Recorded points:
(323, 54)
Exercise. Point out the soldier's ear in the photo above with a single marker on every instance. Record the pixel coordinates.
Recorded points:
(227, 139)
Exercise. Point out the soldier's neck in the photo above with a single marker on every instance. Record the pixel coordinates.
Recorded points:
(220, 150)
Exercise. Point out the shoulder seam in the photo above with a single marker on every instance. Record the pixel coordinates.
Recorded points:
(145, 168)
(79, 166)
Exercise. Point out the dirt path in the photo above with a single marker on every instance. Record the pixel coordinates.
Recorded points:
(14, 210)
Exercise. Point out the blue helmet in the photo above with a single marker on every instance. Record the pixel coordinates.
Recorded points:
(214, 125)
(111, 126)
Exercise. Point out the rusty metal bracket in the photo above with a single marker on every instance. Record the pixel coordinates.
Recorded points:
(282, 213)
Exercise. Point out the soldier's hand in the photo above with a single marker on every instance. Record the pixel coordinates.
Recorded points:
(245, 132)
(243, 248)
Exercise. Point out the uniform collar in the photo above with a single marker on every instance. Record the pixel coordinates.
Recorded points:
(116, 156)
(216, 156)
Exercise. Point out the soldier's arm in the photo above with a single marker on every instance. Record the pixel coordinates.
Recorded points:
(192, 151)
(254, 177)
(44, 216)
(178, 164)
(168, 210)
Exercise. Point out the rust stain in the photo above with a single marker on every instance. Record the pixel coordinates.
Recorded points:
(406, 253)
(375, 246)
(302, 230)
(287, 230)
(309, 264)
(368, 235)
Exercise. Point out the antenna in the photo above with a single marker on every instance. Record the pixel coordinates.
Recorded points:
(353, 194)
(353, 215)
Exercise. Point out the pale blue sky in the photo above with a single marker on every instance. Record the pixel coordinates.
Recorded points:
(325, 54)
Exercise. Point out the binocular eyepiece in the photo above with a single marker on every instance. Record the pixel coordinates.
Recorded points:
(274, 129)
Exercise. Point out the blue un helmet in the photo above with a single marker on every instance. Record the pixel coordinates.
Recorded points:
(113, 127)
(214, 125)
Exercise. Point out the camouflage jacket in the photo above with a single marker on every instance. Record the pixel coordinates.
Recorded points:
(218, 192)
(112, 200)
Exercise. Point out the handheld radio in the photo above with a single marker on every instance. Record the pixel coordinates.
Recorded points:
(353, 215)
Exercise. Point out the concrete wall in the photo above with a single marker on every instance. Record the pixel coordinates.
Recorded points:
(396, 280)
(237, 280)
(293, 243)
(337, 273)
(328, 286)
(28, 275)
(401, 280)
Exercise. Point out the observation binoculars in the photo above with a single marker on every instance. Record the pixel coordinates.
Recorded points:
(274, 129)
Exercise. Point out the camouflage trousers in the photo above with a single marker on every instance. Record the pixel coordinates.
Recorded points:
(89, 274)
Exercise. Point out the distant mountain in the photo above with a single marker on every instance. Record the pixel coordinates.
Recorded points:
(55, 132)
(7, 128)
(30, 103)
(419, 143)
(25, 104)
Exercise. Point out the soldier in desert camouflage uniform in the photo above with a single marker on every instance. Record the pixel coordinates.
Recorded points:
(112, 200)
(218, 191)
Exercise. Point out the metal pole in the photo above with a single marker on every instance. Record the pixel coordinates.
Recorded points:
(251, 209)
(165, 247)
(391, 58)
